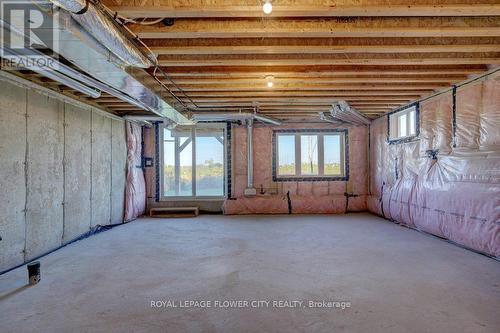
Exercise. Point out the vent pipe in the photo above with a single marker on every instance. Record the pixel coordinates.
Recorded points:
(329, 118)
(250, 190)
(344, 112)
(103, 28)
(233, 116)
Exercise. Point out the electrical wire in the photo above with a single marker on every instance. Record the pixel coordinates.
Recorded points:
(123, 21)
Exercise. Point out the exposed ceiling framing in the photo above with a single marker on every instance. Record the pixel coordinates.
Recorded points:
(378, 55)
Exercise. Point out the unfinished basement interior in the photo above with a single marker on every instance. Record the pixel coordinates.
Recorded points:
(250, 166)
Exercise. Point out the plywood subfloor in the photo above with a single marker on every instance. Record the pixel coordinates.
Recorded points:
(396, 279)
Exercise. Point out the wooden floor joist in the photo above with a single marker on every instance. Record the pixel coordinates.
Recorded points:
(299, 98)
(326, 49)
(287, 80)
(300, 60)
(360, 27)
(306, 86)
(205, 9)
(376, 54)
(325, 70)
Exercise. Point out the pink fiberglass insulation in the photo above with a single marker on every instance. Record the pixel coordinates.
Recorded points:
(457, 195)
(135, 191)
(306, 197)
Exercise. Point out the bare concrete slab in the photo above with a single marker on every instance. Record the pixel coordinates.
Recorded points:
(396, 279)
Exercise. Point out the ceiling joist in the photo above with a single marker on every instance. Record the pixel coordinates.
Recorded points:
(376, 54)
(245, 9)
(360, 27)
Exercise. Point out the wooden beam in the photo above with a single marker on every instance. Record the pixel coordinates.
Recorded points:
(279, 86)
(306, 93)
(315, 107)
(105, 99)
(325, 49)
(306, 97)
(236, 100)
(321, 71)
(113, 105)
(293, 112)
(271, 103)
(300, 60)
(318, 107)
(312, 79)
(374, 111)
(126, 108)
(360, 27)
(176, 9)
(326, 43)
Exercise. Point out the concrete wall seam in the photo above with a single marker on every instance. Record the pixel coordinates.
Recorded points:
(48, 170)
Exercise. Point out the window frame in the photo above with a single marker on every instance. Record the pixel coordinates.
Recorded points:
(320, 133)
(404, 110)
(162, 197)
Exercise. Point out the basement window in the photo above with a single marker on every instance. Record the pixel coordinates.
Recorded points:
(193, 161)
(310, 155)
(403, 124)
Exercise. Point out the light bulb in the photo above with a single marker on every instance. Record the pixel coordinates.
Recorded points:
(269, 80)
(267, 7)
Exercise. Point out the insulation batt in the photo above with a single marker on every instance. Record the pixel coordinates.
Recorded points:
(457, 195)
(307, 197)
(135, 191)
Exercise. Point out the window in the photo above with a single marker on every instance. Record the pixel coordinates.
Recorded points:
(310, 155)
(403, 124)
(194, 161)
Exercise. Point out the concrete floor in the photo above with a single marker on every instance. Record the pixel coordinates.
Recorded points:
(396, 279)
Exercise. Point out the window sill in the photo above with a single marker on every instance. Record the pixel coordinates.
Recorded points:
(162, 199)
(403, 140)
(310, 179)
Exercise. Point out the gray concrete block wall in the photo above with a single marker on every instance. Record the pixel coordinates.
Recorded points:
(54, 158)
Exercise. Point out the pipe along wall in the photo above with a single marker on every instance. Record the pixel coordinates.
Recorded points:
(62, 172)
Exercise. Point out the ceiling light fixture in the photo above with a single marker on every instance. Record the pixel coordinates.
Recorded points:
(269, 80)
(267, 7)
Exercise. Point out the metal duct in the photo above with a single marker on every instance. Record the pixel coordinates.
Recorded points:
(103, 28)
(108, 73)
(267, 120)
(228, 116)
(344, 112)
(74, 6)
(143, 118)
(79, 47)
(329, 119)
(52, 73)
